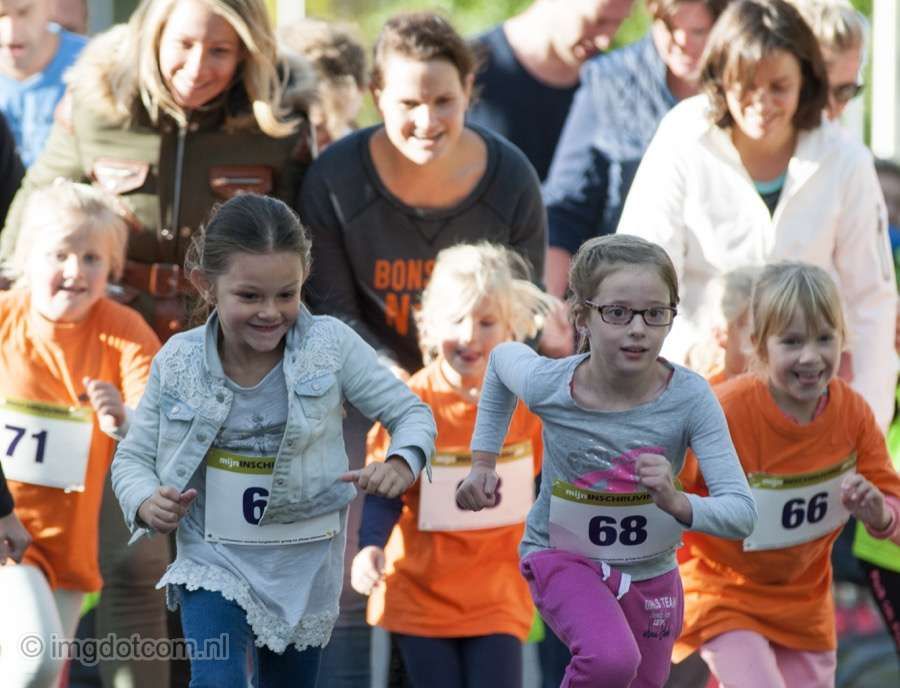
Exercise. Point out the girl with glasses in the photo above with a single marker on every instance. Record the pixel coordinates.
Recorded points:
(599, 546)
(751, 171)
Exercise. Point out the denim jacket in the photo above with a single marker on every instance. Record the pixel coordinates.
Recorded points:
(186, 403)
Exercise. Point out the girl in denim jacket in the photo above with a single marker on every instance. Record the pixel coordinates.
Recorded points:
(237, 443)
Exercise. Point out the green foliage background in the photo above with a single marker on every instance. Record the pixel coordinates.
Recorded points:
(469, 16)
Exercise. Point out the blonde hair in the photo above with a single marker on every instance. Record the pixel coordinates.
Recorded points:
(782, 290)
(599, 257)
(838, 25)
(465, 274)
(82, 204)
(257, 71)
(707, 357)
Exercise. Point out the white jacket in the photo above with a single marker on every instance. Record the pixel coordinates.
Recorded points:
(693, 196)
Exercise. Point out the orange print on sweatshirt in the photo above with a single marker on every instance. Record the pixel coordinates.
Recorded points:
(401, 279)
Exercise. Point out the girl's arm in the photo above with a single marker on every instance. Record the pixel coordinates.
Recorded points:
(730, 510)
(862, 257)
(379, 395)
(872, 494)
(134, 477)
(114, 404)
(505, 381)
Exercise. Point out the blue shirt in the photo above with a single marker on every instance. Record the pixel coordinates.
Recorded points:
(622, 98)
(28, 105)
(511, 102)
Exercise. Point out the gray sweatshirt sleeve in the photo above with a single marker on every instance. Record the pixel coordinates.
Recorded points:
(729, 511)
(504, 384)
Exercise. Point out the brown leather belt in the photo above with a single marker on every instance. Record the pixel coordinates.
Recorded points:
(161, 280)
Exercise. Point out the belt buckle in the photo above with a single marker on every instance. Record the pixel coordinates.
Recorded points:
(163, 280)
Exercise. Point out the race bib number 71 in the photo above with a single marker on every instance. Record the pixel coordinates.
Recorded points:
(45, 444)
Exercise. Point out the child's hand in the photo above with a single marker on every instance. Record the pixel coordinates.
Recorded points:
(14, 539)
(865, 501)
(654, 472)
(367, 570)
(107, 403)
(389, 479)
(557, 335)
(479, 490)
(166, 508)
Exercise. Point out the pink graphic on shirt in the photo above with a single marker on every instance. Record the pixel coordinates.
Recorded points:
(622, 476)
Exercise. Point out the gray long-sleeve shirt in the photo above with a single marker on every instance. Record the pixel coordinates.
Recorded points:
(581, 442)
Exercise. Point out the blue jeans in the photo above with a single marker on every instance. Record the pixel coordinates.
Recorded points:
(206, 617)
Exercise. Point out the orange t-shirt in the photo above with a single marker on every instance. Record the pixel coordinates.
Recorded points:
(43, 361)
(782, 594)
(428, 588)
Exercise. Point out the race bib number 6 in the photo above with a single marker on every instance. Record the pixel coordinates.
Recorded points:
(45, 444)
(794, 509)
(237, 493)
(614, 527)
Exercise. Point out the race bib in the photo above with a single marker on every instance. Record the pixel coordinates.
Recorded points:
(794, 509)
(237, 491)
(515, 491)
(45, 444)
(615, 527)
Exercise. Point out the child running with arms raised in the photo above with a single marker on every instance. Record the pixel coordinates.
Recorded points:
(421, 586)
(237, 443)
(761, 611)
(65, 350)
(599, 545)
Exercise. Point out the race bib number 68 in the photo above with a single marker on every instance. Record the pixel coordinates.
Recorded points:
(614, 527)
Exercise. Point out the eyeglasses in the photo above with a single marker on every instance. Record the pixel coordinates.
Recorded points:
(844, 93)
(656, 316)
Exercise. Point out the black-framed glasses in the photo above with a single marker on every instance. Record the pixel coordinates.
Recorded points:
(655, 316)
(844, 93)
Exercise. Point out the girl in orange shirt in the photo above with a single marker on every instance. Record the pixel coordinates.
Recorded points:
(68, 356)
(454, 631)
(761, 611)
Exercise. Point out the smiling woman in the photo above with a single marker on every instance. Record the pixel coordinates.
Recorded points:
(186, 105)
(388, 198)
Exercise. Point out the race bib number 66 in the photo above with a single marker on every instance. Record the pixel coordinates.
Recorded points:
(794, 509)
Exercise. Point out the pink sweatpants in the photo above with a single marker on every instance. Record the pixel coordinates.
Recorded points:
(620, 636)
(745, 659)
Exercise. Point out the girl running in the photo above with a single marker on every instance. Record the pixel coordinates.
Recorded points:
(237, 444)
(599, 546)
(71, 360)
(761, 611)
(478, 296)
